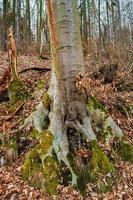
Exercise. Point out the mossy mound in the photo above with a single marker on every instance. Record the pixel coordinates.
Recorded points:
(99, 160)
(125, 149)
(51, 174)
(81, 171)
(105, 185)
(94, 104)
(41, 167)
(16, 91)
(10, 146)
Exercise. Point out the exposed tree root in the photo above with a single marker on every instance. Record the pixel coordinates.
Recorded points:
(69, 146)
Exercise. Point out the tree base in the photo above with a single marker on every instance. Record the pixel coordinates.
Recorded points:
(16, 91)
(85, 160)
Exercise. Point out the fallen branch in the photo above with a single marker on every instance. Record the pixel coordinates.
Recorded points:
(35, 69)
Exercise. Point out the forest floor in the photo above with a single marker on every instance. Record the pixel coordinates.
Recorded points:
(12, 186)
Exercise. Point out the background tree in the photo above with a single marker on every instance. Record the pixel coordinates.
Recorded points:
(5, 23)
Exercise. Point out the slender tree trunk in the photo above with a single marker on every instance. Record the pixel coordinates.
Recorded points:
(18, 21)
(14, 16)
(41, 29)
(89, 17)
(85, 30)
(28, 23)
(99, 19)
(113, 21)
(5, 24)
(108, 23)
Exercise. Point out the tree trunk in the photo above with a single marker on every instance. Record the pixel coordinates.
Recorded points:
(18, 22)
(5, 24)
(14, 17)
(28, 23)
(16, 87)
(108, 22)
(99, 20)
(85, 31)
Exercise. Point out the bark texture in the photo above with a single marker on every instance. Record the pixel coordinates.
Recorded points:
(68, 111)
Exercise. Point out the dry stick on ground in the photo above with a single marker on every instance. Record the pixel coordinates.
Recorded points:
(35, 69)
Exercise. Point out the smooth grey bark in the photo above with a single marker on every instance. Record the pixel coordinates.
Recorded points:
(68, 103)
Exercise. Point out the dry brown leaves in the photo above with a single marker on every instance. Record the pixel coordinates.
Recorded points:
(13, 187)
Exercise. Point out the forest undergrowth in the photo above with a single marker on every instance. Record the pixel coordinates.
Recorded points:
(110, 81)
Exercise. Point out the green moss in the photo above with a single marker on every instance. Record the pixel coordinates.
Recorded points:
(46, 100)
(40, 84)
(34, 134)
(126, 109)
(12, 107)
(126, 150)
(99, 161)
(104, 125)
(41, 168)
(51, 174)
(82, 172)
(46, 141)
(16, 91)
(39, 151)
(10, 142)
(104, 186)
(98, 164)
(107, 133)
(30, 163)
(13, 143)
(93, 104)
